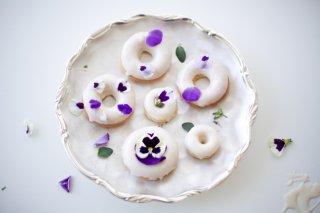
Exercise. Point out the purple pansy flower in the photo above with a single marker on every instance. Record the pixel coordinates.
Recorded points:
(191, 94)
(66, 183)
(99, 86)
(80, 105)
(154, 38)
(277, 145)
(103, 140)
(94, 104)
(95, 84)
(150, 150)
(166, 97)
(125, 108)
(124, 86)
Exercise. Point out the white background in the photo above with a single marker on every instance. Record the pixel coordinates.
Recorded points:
(279, 41)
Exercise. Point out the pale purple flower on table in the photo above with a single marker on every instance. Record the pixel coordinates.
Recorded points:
(94, 104)
(154, 38)
(125, 108)
(146, 71)
(76, 107)
(150, 150)
(66, 184)
(277, 146)
(103, 141)
(191, 94)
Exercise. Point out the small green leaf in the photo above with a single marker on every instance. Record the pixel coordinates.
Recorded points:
(104, 152)
(187, 126)
(287, 141)
(218, 114)
(85, 66)
(3, 188)
(181, 53)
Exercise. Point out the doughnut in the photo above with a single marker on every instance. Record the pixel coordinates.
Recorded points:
(160, 105)
(150, 153)
(198, 68)
(100, 88)
(202, 141)
(146, 42)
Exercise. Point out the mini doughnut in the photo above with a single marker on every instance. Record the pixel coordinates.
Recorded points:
(151, 43)
(150, 153)
(102, 87)
(160, 105)
(202, 141)
(202, 67)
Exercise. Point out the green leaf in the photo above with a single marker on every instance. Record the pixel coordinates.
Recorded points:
(3, 188)
(181, 53)
(104, 152)
(218, 114)
(187, 126)
(85, 66)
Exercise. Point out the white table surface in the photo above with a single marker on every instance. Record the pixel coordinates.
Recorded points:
(279, 41)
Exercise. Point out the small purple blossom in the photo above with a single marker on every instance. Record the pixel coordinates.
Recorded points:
(150, 160)
(94, 104)
(95, 84)
(277, 146)
(191, 94)
(66, 183)
(121, 87)
(143, 68)
(80, 105)
(205, 58)
(154, 38)
(163, 96)
(103, 140)
(125, 109)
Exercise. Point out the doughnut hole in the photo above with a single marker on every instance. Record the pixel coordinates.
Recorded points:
(109, 101)
(145, 56)
(201, 81)
(202, 137)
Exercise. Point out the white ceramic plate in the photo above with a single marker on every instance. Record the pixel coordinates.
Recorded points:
(101, 54)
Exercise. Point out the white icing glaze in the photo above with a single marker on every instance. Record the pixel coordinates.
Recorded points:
(299, 198)
(214, 71)
(131, 53)
(160, 114)
(150, 172)
(202, 141)
(108, 85)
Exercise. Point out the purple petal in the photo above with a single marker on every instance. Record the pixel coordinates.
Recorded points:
(95, 84)
(66, 183)
(191, 94)
(205, 58)
(122, 87)
(151, 134)
(150, 160)
(279, 144)
(80, 105)
(144, 150)
(154, 38)
(163, 96)
(142, 68)
(103, 140)
(124, 108)
(156, 150)
(94, 104)
(151, 142)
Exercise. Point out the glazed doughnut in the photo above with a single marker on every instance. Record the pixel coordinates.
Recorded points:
(150, 153)
(100, 88)
(202, 141)
(160, 105)
(151, 43)
(203, 67)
